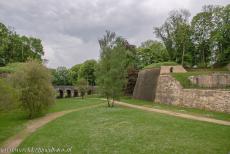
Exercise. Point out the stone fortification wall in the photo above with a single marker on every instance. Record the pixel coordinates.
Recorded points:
(145, 87)
(170, 91)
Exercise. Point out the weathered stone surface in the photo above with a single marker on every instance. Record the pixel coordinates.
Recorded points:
(71, 91)
(228, 66)
(170, 91)
(172, 69)
(145, 86)
(217, 80)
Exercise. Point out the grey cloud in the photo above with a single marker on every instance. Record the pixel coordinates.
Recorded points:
(70, 29)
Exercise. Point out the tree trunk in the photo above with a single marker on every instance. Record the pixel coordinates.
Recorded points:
(204, 59)
(108, 101)
(183, 51)
(113, 102)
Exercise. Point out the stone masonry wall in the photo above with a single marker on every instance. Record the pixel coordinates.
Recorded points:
(216, 80)
(146, 84)
(170, 91)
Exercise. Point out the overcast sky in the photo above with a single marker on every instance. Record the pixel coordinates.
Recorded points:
(70, 29)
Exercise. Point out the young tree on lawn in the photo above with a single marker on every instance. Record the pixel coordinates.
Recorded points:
(33, 81)
(112, 67)
(82, 86)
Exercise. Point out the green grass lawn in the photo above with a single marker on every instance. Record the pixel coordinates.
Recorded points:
(127, 131)
(14, 121)
(11, 123)
(193, 111)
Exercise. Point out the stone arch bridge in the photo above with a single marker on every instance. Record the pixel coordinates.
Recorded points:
(71, 91)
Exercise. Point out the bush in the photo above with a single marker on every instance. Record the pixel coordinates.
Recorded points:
(82, 87)
(8, 96)
(36, 91)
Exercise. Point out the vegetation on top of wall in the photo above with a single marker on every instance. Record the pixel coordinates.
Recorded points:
(158, 65)
(10, 68)
(185, 82)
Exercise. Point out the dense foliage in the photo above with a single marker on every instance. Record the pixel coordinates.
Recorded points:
(33, 81)
(8, 96)
(86, 70)
(112, 67)
(82, 85)
(62, 76)
(202, 42)
(151, 52)
(16, 48)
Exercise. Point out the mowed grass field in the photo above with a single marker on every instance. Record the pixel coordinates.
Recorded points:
(124, 130)
(186, 110)
(14, 121)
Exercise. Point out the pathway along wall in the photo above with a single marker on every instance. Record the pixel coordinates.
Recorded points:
(145, 87)
(170, 91)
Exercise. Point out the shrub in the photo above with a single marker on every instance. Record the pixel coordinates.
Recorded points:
(8, 96)
(36, 91)
(82, 87)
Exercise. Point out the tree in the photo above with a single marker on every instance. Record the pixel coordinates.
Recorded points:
(3, 43)
(87, 71)
(151, 52)
(221, 34)
(16, 48)
(82, 86)
(36, 91)
(75, 72)
(8, 96)
(63, 76)
(112, 67)
(175, 33)
(202, 29)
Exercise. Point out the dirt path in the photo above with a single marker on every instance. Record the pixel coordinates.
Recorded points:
(176, 114)
(33, 125)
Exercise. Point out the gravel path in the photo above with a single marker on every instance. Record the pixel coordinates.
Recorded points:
(176, 114)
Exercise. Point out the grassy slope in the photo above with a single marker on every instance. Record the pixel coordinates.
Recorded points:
(158, 65)
(10, 67)
(13, 122)
(193, 111)
(121, 130)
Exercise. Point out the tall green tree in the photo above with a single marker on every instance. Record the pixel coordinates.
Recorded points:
(62, 76)
(76, 71)
(87, 71)
(221, 34)
(112, 66)
(202, 29)
(16, 48)
(151, 52)
(175, 34)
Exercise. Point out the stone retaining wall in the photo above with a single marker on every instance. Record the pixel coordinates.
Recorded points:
(220, 80)
(170, 91)
(145, 87)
